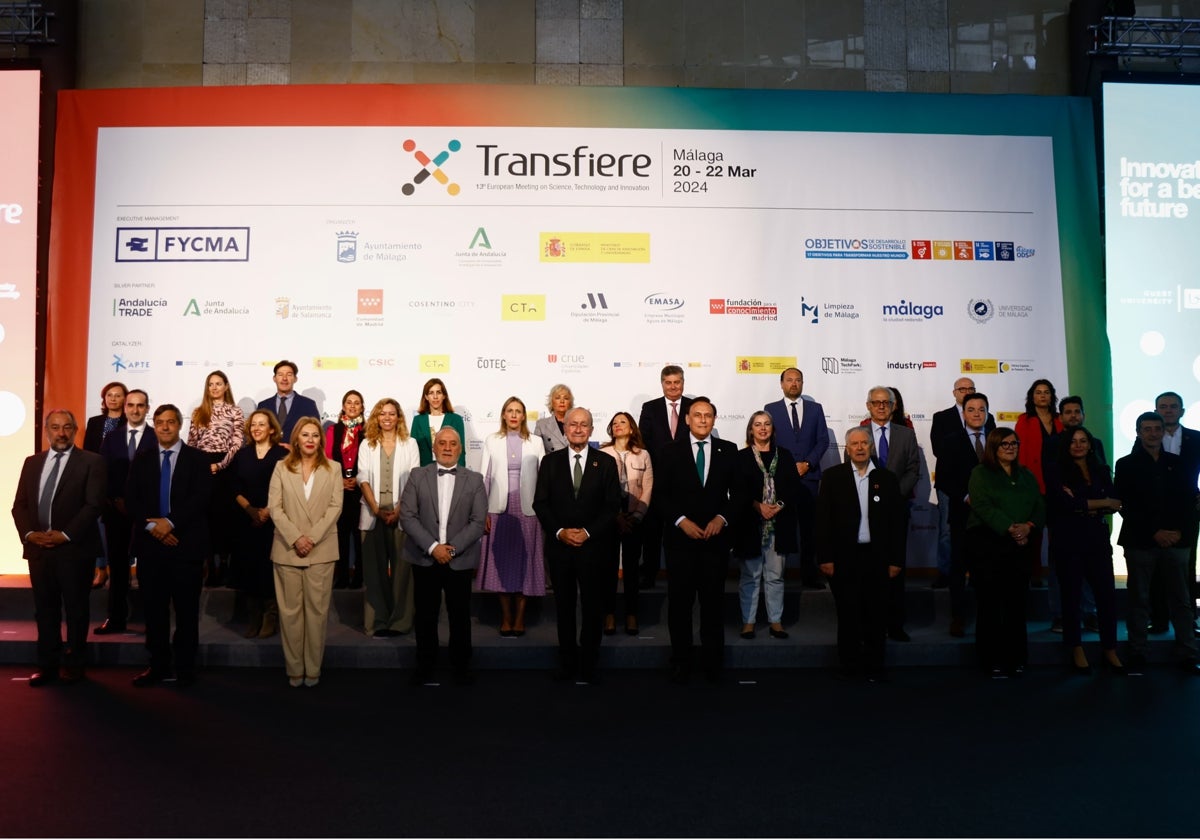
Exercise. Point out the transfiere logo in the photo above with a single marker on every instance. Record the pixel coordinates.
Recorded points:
(431, 167)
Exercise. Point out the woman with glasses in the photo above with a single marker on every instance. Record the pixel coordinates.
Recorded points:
(1007, 509)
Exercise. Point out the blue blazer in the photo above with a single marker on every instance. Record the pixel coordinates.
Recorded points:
(301, 406)
(809, 443)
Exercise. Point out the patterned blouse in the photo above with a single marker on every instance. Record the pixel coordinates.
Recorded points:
(222, 434)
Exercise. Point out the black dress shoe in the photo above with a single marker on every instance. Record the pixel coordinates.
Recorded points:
(71, 674)
(185, 679)
(564, 674)
(1158, 629)
(463, 676)
(878, 677)
(420, 677)
(39, 678)
(898, 635)
(680, 676)
(151, 677)
(109, 627)
(940, 582)
(591, 677)
(778, 634)
(1135, 663)
(712, 675)
(747, 634)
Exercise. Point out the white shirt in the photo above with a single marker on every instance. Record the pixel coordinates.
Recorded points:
(445, 488)
(1172, 442)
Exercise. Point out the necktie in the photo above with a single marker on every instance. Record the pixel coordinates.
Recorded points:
(978, 447)
(700, 459)
(282, 416)
(451, 471)
(674, 419)
(132, 443)
(577, 474)
(164, 484)
(48, 493)
(883, 446)
(795, 419)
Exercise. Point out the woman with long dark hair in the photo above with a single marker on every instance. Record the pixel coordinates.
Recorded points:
(637, 485)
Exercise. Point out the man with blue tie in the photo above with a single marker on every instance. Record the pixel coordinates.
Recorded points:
(896, 450)
(59, 496)
(697, 486)
(800, 429)
(577, 498)
(167, 497)
(287, 404)
(118, 451)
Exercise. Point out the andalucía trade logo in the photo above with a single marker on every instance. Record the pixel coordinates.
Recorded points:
(431, 166)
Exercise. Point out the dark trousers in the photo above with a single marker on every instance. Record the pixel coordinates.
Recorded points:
(1075, 563)
(347, 534)
(652, 531)
(895, 598)
(61, 586)
(117, 533)
(1160, 611)
(429, 584)
(629, 545)
(959, 566)
(806, 527)
(582, 572)
(1001, 578)
(168, 582)
(696, 571)
(860, 591)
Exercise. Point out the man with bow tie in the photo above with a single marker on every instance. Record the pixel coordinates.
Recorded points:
(861, 518)
(577, 498)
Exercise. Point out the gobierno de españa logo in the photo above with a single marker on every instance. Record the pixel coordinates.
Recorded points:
(431, 167)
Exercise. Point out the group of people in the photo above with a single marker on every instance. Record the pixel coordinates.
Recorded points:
(286, 509)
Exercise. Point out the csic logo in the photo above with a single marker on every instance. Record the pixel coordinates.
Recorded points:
(381, 363)
(370, 301)
(522, 307)
(347, 246)
(594, 301)
(431, 167)
(183, 244)
(981, 310)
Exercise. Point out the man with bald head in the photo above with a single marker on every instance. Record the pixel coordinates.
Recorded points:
(577, 498)
(56, 510)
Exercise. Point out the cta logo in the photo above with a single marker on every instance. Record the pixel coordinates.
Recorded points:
(433, 364)
(183, 244)
(431, 167)
(522, 307)
(980, 310)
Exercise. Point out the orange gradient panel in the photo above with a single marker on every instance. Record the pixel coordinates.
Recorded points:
(19, 91)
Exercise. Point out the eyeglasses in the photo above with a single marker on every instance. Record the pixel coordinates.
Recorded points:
(969, 390)
(1010, 444)
(879, 403)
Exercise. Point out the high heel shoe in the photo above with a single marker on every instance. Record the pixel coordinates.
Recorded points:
(99, 578)
(610, 625)
(1116, 668)
(1079, 662)
(631, 627)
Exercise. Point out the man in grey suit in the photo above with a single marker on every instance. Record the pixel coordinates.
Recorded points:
(896, 451)
(59, 497)
(443, 510)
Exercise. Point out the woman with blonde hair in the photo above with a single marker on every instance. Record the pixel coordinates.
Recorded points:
(216, 430)
(559, 401)
(305, 500)
(512, 563)
(385, 458)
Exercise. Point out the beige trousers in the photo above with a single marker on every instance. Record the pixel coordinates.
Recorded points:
(303, 593)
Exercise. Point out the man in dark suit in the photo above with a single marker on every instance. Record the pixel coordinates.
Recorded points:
(861, 530)
(166, 497)
(960, 451)
(287, 404)
(443, 510)
(661, 424)
(1184, 442)
(697, 484)
(800, 429)
(59, 497)
(118, 450)
(897, 452)
(577, 498)
(946, 423)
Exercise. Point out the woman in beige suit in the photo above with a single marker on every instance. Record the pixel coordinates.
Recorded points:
(305, 500)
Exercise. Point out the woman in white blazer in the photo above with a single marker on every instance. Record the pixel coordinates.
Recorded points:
(388, 454)
(512, 562)
(559, 401)
(305, 501)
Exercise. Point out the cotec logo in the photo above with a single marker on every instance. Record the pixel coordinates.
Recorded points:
(431, 167)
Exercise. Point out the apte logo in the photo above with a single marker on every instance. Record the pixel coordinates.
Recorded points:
(347, 246)
(981, 310)
(370, 301)
(431, 167)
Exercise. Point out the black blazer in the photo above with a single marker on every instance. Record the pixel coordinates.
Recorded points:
(948, 421)
(678, 489)
(747, 535)
(838, 516)
(115, 452)
(93, 433)
(191, 486)
(75, 509)
(955, 461)
(595, 509)
(656, 430)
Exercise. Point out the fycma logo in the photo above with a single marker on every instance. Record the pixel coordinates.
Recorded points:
(431, 167)
(347, 246)
(522, 307)
(981, 310)
(183, 244)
